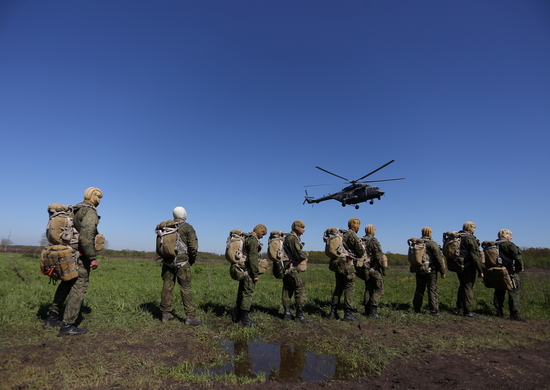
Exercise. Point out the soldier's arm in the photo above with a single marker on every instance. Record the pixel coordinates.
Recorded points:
(475, 253)
(251, 247)
(355, 246)
(192, 242)
(88, 231)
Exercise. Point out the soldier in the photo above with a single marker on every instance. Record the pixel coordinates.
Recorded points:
(469, 245)
(180, 269)
(429, 280)
(374, 283)
(293, 283)
(247, 285)
(345, 272)
(74, 291)
(511, 259)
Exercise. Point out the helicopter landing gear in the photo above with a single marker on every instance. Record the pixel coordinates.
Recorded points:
(356, 207)
(371, 202)
(343, 205)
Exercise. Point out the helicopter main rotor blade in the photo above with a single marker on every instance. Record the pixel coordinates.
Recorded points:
(376, 170)
(374, 181)
(329, 184)
(333, 174)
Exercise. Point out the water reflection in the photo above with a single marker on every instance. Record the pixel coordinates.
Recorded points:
(281, 363)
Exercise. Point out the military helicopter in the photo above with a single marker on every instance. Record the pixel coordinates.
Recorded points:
(357, 192)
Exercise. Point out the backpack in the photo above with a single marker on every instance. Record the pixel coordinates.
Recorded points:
(452, 252)
(499, 278)
(169, 243)
(59, 262)
(494, 257)
(234, 246)
(60, 229)
(418, 256)
(277, 254)
(334, 243)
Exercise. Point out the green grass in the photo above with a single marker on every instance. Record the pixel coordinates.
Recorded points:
(128, 346)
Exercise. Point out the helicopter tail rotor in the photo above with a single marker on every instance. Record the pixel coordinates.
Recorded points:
(308, 199)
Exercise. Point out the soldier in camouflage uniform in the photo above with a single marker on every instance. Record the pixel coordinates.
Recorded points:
(345, 272)
(511, 259)
(374, 283)
(469, 244)
(247, 285)
(293, 283)
(180, 269)
(429, 280)
(73, 291)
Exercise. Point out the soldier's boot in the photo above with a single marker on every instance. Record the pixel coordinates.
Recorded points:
(300, 316)
(53, 320)
(436, 313)
(500, 312)
(460, 312)
(69, 330)
(192, 321)
(372, 312)
(245, 321)
(333, 315)
(515, 316)
(367, 310)
(348, 315)
(471, 314)
(167, 317)
(287, 315)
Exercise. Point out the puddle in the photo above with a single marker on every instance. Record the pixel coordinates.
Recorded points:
(281, 363)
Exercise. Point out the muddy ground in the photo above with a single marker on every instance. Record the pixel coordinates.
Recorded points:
(520, 368)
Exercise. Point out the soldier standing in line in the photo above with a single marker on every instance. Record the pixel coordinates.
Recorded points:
(247, 285)
(345, 272)
(85, 221)
(511, 259)
(374, 283)
(469, 246)
(293, 283)
(180, 269)
(429, 280)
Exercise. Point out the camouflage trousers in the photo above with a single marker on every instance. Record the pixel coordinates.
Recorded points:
(423, 283)
(465, 295)
(513, 297)
(183, 277)
(374, 288)
(345, 284)
(73, 291)
(245, 293)
(294, 285)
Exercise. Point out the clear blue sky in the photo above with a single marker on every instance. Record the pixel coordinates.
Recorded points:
(226, 107)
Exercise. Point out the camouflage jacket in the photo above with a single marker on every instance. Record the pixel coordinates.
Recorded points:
(85, 222)
(189, 237)
(353, 244)
(374, 250)
(293, 248)
(511, 251)
(251, 247)
(470, 244)
(435, 255)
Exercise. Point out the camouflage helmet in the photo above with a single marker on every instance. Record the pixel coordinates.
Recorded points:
(370, 230)
(354, 224)
(504, 234)
(93, 195)
(469, 227)
(297, 225)
(179, 213)
(260, 230)
(427, 232)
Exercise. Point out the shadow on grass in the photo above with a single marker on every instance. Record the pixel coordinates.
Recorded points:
(153, 309)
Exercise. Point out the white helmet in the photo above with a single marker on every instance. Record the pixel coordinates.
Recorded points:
(179, 213)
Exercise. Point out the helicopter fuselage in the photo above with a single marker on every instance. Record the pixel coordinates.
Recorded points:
(351, 195)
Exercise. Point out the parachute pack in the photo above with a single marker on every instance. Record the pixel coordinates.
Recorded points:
(169, 243)
(499, 278)
(234, 246)
(451, 250)
(59, 262)
(277, 254)
(334, 243)
(60, 229)
(418, 256)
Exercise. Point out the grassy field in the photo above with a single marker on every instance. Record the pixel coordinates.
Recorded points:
(128, 346)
